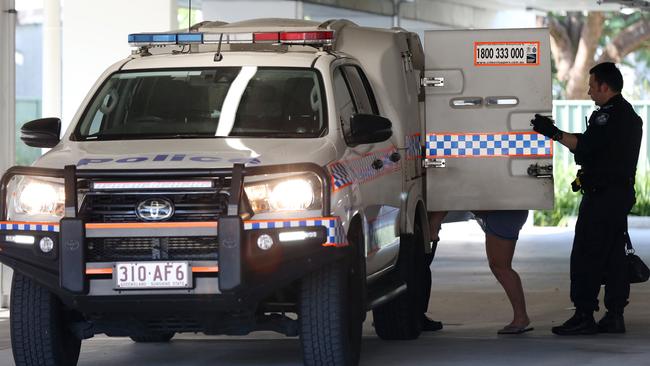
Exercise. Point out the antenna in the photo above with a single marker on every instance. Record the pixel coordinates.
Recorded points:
(189, 18)
(218, 56)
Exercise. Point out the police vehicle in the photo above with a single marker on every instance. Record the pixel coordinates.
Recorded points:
(270, 174)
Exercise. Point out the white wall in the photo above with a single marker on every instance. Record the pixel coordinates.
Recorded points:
(95, 36)
(232, 11)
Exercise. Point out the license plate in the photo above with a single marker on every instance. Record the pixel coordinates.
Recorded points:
(152, 275)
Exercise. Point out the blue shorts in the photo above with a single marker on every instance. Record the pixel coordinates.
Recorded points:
(503, 224)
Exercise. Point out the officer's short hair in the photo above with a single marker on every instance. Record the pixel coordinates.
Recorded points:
(608, 73)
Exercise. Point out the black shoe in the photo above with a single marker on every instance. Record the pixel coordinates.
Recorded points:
(429, 325)
(611, 323)
(581, 323)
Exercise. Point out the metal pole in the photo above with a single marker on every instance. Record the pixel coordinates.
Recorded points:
(397, 6)
(52, 67)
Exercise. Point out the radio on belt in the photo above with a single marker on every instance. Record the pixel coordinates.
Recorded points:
(222, 177)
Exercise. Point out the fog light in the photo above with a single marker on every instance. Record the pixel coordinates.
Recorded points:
(297, 235)
(264, 242)
(46, 244)
(21, 239)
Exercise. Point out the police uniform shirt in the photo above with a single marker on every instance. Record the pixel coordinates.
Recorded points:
(609, 149)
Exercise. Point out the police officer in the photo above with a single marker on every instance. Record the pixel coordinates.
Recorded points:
(608, 152)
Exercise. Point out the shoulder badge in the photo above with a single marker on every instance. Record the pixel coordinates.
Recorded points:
(601, 119)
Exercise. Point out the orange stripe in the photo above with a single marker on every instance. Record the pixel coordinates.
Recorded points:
(99, 271)
(482, 133)
(149, 225)
(305, 219)
(105, 271)
(29, 223)
(212, 269)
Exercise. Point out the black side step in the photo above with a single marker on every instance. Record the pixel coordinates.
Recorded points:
(384, 289)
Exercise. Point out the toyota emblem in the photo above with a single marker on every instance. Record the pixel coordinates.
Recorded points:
(155, 209)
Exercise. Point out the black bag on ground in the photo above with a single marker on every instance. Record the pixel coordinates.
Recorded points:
(637, 270)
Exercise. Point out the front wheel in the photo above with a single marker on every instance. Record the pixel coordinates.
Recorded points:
(331, 317)
(39, 326)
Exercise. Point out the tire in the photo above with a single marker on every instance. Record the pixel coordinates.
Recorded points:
(153, 338)
(39, 326)
(331, 316)
(400, 318)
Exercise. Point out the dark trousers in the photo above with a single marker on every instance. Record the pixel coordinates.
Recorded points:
(426, 284)
(598, 254)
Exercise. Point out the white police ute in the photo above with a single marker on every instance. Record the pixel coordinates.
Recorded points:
(270, 174)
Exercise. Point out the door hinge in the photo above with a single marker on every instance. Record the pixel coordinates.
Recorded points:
(541, 171)
(434, 82)
(434, 163)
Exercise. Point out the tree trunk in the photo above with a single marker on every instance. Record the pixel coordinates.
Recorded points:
(577, 85)
(561, 48)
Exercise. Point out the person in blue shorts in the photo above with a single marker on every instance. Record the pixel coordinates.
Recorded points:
(501, 233)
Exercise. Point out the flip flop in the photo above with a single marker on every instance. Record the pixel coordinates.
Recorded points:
(514, 329)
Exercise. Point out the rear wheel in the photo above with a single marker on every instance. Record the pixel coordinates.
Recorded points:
(400, 318)
(332, 310)
(40, 334)
(153, 338)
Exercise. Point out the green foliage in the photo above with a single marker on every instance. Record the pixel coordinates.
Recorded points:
(615, 22)
(642, 188)
(567, 202)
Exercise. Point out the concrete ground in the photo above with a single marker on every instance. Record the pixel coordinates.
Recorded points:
(465, 297)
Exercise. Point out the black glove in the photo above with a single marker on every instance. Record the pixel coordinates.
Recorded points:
(544, 125)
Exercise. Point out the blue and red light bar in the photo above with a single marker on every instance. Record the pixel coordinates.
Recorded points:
(305, 38)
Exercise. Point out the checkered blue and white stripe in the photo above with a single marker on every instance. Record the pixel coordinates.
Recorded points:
(413, 146)
(360, 170)
(487, 145)
(29, 227)
(340, 176)
(335, 232)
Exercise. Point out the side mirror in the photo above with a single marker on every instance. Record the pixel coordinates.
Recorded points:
(42, 132)
(369, 128)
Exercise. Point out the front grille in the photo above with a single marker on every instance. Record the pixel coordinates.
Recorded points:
(142, 249)
(114, 208)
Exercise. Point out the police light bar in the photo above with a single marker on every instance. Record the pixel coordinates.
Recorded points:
(306, 38)
(145, 39)
(105, 186)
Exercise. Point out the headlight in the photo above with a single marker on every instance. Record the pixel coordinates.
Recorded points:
(291, 194)
(35, 199)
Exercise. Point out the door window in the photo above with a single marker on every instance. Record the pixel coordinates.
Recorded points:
(344, 103)
(361, 90)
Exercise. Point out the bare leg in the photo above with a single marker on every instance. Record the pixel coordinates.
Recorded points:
(500, 252)
(435, 222)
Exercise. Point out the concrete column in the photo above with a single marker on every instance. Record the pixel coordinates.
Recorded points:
(7, 110)
(52, 58)
(300, 12)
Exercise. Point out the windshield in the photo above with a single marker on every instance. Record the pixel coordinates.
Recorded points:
(245, 101)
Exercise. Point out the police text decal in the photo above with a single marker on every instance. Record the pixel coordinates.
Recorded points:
(506, 53)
